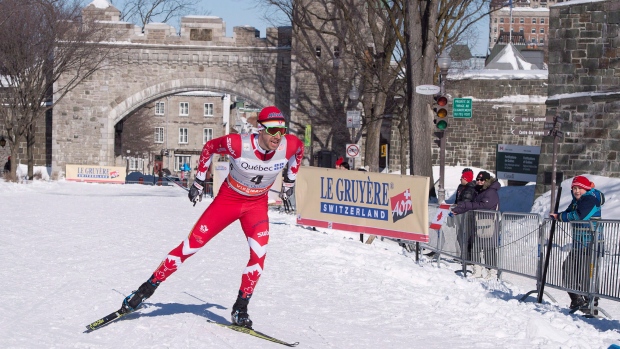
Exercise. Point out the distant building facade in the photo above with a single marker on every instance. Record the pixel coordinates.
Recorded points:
(530, 18)
(181, 125)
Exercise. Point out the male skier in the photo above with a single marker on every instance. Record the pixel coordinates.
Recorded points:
(255, 162)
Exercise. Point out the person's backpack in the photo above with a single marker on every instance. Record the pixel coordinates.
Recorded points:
(599, 195)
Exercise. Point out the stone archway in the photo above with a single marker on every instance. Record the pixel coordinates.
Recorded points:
(159, 63)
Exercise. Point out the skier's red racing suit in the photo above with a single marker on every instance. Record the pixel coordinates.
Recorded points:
(242, 196)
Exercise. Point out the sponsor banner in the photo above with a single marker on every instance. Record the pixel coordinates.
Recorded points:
(387, 205)
(440, 216)
(96, 174)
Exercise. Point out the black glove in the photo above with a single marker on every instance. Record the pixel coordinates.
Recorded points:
(195, 191)
(288, 189)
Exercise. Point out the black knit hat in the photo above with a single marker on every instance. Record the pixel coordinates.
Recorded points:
(483, 176)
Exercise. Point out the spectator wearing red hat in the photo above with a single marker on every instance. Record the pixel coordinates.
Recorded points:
(466, 191)
(339, 162)
(256, 160)
(586, 205)
(486, 199)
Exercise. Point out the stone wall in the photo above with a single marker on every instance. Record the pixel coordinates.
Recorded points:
(584, 90)
(496, 104)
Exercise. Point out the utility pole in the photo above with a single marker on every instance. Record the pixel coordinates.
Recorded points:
(555, 133)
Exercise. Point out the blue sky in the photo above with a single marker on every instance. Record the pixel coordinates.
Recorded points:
(244, 12)
(237, 13)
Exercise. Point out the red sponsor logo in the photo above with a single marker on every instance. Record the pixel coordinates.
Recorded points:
(401, 206)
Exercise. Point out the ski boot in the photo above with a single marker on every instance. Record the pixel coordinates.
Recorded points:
(133, 301)
(577, 301)
(239, 315)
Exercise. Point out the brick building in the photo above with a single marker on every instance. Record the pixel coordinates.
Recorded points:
(529, 18)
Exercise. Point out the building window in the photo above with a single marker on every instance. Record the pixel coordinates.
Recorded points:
(512, 20)
(542, 40)
(136, 164)
(208, 109)
(160, 108)
(494, 20)
(542, 30)
(179, 160)
(521, 20)
(182, 136)
(495, 30)
(521, 30)
(501, 30)
(184, 108)
(542, 21)
(207, 135)
(501, 20)
(534, 20)
(533, 30)
(159, 135)
(534, 40)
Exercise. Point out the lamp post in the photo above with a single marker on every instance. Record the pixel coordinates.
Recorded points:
(313, 114)
(128, 151)
(354, 95)
(444, 64)
(353, 115)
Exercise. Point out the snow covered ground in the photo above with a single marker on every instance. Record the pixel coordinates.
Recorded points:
(73, 251)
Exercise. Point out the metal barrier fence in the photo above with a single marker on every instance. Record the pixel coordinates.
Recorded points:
(584, 258)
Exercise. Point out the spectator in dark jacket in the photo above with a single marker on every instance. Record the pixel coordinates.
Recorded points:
(7, 165)
(487, 199)
(465, 192)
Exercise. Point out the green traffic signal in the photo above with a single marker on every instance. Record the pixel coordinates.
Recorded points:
(441, 124)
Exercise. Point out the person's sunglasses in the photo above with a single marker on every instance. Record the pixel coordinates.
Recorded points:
(274, 131)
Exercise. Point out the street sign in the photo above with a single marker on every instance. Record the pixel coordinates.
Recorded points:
(354, 119)
(427, 89)
(353, 151)
(461, 108)
(532, 119)
(519, 132)
(517, 162)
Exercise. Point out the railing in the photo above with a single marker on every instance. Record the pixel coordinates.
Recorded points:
(584, 258)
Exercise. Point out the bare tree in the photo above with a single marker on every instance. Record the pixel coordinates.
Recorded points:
(144, 12)
(340, 44)
(40, 41)
(431, 27)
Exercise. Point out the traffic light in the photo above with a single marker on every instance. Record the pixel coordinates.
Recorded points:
(438, 138)
(441, 112)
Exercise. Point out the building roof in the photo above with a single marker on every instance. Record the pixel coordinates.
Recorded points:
(509, 58)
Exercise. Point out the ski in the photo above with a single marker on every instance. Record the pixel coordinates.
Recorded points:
(254, 333)
(108, 319)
